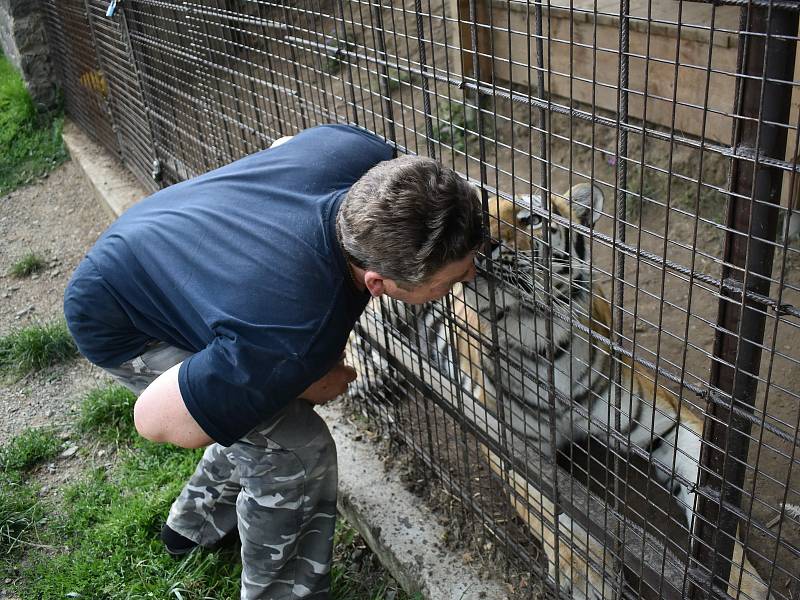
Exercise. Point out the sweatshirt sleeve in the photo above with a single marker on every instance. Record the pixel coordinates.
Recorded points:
(230, 387)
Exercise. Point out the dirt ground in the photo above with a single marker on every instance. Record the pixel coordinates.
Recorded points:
(59, 219)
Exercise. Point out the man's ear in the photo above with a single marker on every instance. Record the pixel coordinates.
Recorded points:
(374, 283)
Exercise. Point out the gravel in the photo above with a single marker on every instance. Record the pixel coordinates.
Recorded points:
(59, 219)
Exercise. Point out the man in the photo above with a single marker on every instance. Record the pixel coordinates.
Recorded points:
(226, 301)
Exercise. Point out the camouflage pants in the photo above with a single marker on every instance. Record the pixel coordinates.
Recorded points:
(277, 485)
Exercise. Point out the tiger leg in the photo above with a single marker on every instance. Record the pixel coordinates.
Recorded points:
(744, 576)
(575, 576)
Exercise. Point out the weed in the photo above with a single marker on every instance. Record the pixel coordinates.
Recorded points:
(20, 508)
(395, 78)
(28, 449)
(456, 125)
(28, 265)
(354, 574)
(30, 144)
(20, 512)
(108, 413)
(35, 347)
(336, 50)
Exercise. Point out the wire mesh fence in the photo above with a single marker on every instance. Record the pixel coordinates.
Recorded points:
(612, 406)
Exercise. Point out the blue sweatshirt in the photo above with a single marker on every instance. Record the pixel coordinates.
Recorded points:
(241, 266)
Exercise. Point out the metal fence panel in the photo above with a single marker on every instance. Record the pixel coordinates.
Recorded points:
(613, 406)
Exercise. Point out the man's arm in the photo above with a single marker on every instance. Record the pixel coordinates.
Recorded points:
(160, 414)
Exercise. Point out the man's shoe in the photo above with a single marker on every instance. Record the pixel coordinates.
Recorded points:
(175, 543)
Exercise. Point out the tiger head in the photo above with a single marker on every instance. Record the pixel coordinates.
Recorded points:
(530, 251)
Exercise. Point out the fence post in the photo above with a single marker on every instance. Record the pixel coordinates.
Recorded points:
(766, 63)
(475, 46)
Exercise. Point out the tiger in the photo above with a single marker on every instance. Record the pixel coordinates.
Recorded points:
(651, 417)
(509, 295)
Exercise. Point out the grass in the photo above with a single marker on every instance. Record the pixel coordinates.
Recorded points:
(100, 538)
(456, 125)
(35, 347)
(108, 413)
(31, 447)
(21, 511)
(355, 572)
(28, 265)
(30, 143)
(336, 53)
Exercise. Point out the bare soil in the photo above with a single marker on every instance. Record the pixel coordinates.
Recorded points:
(57, 218)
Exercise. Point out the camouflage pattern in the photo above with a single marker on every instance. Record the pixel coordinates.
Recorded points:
(277, 484)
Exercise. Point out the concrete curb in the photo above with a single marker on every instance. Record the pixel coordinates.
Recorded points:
(397, 526)
(115, 187)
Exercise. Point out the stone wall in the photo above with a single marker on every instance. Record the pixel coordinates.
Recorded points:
(24, 42)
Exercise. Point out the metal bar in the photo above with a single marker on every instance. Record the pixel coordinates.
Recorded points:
(763, 101)
(574, 498)
(740, 153)
(383, 75)
(426, 95)
(618, 291)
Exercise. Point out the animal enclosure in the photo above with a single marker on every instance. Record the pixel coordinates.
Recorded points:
(612, 409)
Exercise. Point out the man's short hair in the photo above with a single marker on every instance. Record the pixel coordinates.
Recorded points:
(406, 218)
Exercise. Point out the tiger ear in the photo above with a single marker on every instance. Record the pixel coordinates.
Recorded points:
(587, 202)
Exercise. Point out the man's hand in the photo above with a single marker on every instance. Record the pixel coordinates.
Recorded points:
(332, 384)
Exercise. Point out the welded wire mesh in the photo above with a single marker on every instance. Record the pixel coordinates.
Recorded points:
(613, 406)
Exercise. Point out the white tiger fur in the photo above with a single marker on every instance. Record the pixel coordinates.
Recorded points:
(649, 415)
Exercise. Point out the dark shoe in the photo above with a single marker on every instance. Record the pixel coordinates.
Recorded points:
(175, 543)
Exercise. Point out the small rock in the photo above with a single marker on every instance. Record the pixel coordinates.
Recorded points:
(73, 595)
(64, 436)
(101, 453)
(69, 452)
(24, 311)
(49, 414)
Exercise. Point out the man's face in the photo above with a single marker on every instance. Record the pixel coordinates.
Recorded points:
(437, 285)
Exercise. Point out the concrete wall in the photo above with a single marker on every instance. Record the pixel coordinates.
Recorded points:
(24, 42)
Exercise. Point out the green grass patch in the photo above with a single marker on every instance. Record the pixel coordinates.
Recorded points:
(35, 347)
(108, 413)
(106, 537)
(21, 511)
(99, 538)
(31, 447)
(28, 265)
(455, 124)
(337, 52)
(30, 143)
(102, 541)
(21, 514)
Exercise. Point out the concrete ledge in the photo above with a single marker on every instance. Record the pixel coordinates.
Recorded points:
(398, 528)
(115, 187)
